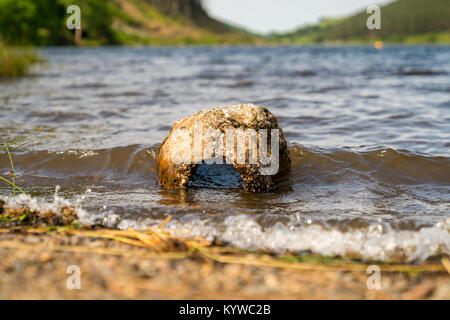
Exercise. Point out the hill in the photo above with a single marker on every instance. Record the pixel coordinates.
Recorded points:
(166, 22)
(409, 21)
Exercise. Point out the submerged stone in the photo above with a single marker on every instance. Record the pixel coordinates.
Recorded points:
(212, 148)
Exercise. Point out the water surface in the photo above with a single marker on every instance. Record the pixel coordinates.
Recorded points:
(369, 134)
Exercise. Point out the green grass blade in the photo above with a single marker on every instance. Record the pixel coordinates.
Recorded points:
(12, 170)
(13, 184)
(20, 139)
(27, 142)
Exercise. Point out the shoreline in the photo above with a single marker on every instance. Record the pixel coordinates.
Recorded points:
(126, 264)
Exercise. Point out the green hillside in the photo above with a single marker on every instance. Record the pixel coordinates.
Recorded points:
(43, 22)
(408, 21)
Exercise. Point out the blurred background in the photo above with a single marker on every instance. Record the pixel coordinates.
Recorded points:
(43, 22)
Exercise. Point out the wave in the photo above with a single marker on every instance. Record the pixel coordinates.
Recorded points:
(373, 242)
(132, 164)
(137, 163)
(394, 166)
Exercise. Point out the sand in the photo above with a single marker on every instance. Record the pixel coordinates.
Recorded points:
(34, 265)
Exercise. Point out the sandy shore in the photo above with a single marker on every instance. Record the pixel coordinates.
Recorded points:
(42, 252)
(34, 264)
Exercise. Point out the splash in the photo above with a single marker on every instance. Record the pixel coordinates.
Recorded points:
(374, 242)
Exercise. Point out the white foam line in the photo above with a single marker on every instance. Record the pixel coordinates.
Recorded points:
(243, 231)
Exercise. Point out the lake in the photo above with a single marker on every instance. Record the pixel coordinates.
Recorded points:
(368, 131)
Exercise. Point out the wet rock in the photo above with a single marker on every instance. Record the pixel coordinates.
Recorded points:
(245, 136)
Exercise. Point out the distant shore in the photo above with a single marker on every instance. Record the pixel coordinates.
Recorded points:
(442, 38)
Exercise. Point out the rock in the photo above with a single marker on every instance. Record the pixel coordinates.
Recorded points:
(245, 136)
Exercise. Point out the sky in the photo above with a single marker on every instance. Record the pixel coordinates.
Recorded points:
(265, 16)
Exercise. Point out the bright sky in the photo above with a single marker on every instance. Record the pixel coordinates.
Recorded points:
(281, 15)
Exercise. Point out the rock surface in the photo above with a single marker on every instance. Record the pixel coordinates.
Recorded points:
(182, 151)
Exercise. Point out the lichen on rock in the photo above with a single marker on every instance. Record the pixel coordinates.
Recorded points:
(246, 136)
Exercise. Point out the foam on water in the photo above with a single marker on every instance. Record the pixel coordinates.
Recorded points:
(373, 242)
(376, 241)
(33, 203)
(40, 205)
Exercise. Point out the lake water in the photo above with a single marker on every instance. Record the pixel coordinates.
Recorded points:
(369, 135)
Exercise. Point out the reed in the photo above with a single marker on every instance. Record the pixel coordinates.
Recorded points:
(6, 149)
(15, 62)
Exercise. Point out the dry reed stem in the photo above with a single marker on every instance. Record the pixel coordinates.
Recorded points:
(446, 264)
(266, 261)
(86, 249)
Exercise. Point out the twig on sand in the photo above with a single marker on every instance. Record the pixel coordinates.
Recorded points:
(85, 249)
(446, 264)
(6, 147)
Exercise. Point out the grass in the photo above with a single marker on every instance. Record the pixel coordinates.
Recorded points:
(16, 62)
(140, 23)
(6, 149)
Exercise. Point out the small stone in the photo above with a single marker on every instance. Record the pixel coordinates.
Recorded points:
(45, 257)
(207, 137)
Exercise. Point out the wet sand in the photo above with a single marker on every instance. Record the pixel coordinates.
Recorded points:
(33, 265)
